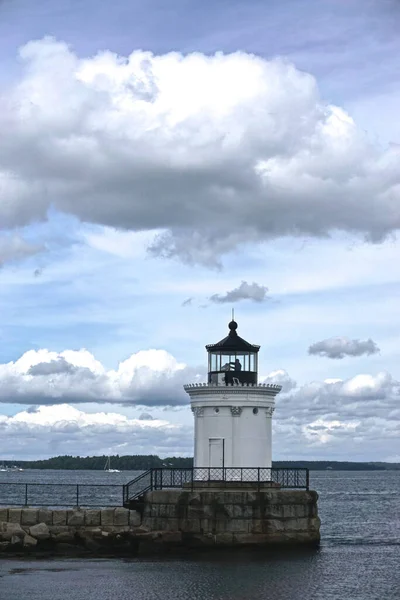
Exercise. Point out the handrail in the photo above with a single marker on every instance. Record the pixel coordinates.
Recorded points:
(19, 493)
(126, 487)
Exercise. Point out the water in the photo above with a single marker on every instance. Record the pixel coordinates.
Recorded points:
(359, 558)
(96, 488)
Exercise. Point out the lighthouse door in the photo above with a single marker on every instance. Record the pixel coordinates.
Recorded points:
(216, 457)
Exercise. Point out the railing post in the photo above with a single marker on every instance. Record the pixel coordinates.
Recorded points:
(307, 479)
(26, 494)
(77, 495)
(258, 479)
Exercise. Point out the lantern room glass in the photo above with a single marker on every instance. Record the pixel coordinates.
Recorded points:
(226, 367)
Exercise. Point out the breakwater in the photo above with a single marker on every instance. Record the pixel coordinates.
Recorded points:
(166, 521)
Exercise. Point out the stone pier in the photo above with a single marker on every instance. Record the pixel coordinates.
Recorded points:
(167, 521)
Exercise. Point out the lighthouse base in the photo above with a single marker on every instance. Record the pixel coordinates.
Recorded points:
(176, 519)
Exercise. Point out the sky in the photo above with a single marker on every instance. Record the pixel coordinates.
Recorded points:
(164, 162)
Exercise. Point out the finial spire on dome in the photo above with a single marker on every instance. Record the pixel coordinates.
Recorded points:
(233, 325)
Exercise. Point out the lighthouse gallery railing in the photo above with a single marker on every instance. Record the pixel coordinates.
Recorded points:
(191, 477)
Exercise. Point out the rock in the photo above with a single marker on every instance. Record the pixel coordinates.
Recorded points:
(172, 537)
(67, 537)
(3, 514)
(16, 540)
(86, 538)
(29, 516)
(95, 532)
(59, 517)
(75, 518)
(69, 550)
(92, 517)
(56, 529)
(236, 525)
(45, 516)
(29, 541)
(9, 530)
(249, 539)
(224, 539)
(40, 531)
(92, 545)
(107, 516)
(14, 515)
(134, 518)
(142, 529)
(121, 517)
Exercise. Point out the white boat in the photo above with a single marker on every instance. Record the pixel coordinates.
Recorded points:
(107, 467)
(5, 469)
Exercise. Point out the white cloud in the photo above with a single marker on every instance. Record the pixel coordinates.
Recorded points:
(361, 396)
(63, 429)
(213, 150)
(148, 378)
(123, 244)
(339, 347)
(280, 377)
(245, 291)
(323, 432)
(354, 419)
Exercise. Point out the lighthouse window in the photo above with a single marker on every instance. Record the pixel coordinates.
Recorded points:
(252, 363)
(255, 411)
(216, 410)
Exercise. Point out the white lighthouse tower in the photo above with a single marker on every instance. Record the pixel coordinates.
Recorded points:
(232, 411)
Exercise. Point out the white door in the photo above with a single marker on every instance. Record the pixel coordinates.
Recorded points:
(216, 457)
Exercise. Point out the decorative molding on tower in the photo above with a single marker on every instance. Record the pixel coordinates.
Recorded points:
(270, 411)
(236, 411)
(198, 411)
(199, 389)
(228, 388)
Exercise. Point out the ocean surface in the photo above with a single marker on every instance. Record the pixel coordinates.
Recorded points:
(359, 557)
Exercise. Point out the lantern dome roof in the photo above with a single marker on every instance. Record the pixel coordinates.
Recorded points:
(232, 342)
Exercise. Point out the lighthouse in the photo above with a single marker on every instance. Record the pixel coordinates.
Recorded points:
(232, 411)
(232, 497)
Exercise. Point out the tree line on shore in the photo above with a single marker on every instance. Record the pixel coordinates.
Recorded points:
(143, 462)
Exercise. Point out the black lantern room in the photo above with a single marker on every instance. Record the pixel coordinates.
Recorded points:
(232, 360)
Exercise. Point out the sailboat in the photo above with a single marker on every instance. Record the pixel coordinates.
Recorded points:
(107, 467)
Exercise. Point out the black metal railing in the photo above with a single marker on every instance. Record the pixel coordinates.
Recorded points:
(103, 495)
(191, 477)
(60, 494)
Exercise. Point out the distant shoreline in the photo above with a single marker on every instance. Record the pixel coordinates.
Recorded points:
(144, 462)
